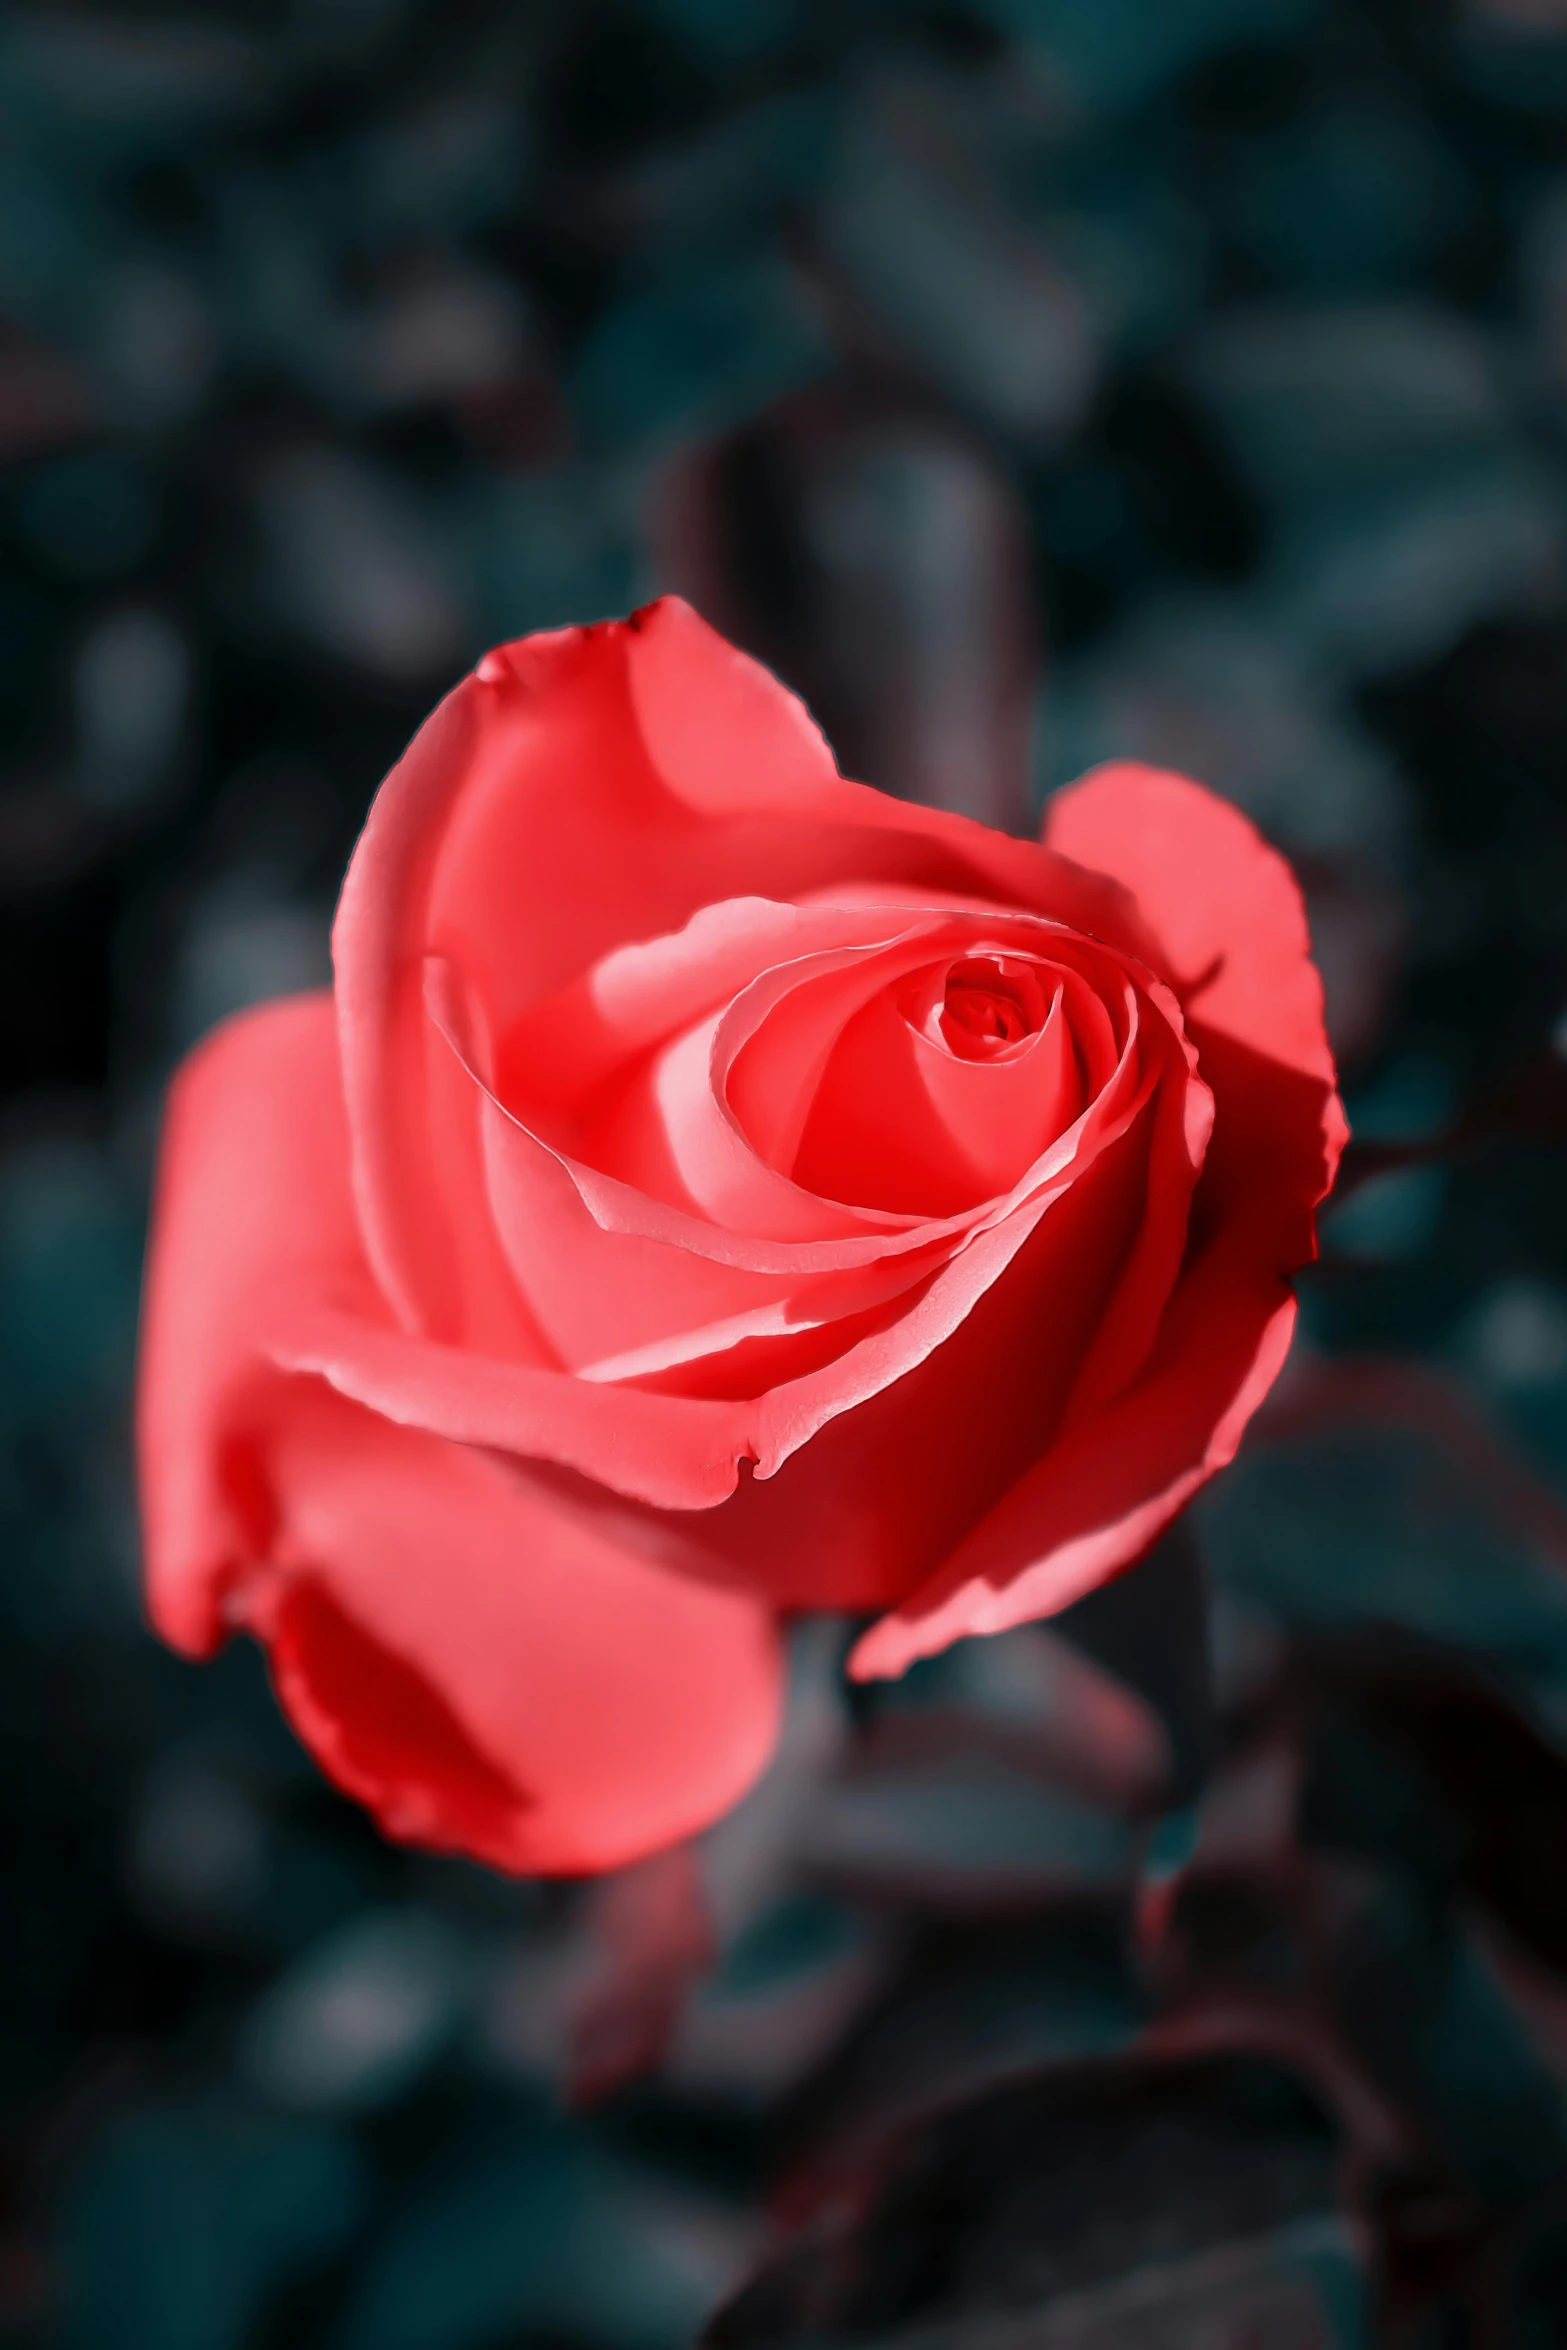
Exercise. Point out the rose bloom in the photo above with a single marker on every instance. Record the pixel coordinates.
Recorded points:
(711, 1189)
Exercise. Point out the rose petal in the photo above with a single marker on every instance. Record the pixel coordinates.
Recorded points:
(726, 739)
(252, 1222)
(1228, 917)
(618, 1706)
(488, 1672)
(1224, 908)
(853, 1508)
(625, 1304)
(1231, 925)
(671, 1452)
(1182, 1115)
(556, 1060)
(1099, 1498)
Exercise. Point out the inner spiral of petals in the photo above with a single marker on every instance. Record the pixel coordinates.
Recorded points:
(942, 1089)
(988, 1003)
(907, 1076)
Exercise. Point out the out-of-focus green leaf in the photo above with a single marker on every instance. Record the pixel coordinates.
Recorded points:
(188, 2220)
(542, 2231)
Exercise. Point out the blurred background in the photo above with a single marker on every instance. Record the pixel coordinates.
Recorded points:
(1028, 381)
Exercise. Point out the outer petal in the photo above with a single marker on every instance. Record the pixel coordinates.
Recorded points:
(252, 1226)
(1223, 907)
(1097, 1500)
(594, 1707)
(1230, 930)
(1227, 915)
(491, 1674)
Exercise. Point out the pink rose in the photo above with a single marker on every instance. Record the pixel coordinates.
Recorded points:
(711, 1189)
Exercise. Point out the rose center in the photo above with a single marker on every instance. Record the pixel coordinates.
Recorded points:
(988, 1004)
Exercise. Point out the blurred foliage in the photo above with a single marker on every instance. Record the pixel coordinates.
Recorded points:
(1028, 380)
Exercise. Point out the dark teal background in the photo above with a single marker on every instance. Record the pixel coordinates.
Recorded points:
(1030, 381)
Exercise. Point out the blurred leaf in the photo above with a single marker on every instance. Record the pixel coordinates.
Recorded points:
(187, 2220)
(781, 2002)
(963, 2016)
(1035, 1699)
(975, 1834)
(1176, 2205)
(693, 354)
(975, 296)
(69, 1276)
(543, 2231)
(1114, 55)
(360, 2016)
(355, 568)
(1396, 1505)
